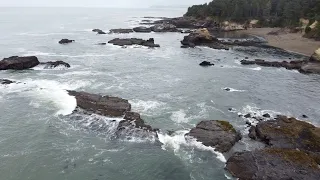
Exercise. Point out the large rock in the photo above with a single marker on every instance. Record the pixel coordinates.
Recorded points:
(316, 56)
(142, 29)
(289, 133)
(134, 41)
(218, 134)
(273, 164)
(65, 41)
(206, 63)
(54, 64)
(165, 28)
(19, 63)
(133, 120)
(188, 22)
(202, 37)
(121, 31)
(102, 105)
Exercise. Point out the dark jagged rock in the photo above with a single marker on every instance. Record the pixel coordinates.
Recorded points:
(102, 105)
(142, 29)
(227, 89)
(102, 44)
(121, 31)
(301, 66)
(206, 63)
(51, 64)
(65, 41)
(164, 28)
(98, 31)
(6, 81)
(247, 115)
(267, 115)
(305, 116)
(273, 164)
(202, 37)
(133, 120)
(19, 63)
(218, 134)
(134, 41)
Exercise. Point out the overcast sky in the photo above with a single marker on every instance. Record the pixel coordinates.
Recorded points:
(98, 3)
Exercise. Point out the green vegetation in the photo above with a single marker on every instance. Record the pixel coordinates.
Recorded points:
(226, 126)
(274, 13)
(294, 156)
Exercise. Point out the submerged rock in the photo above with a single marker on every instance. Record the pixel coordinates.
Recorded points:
(202, 37)
(6, 81)
(19, 63)
(51, 64)
(134, 41)
(273, 164)
(206, 63)
(121, 31)
(218, 134)
(142, 29)
(65, 41)
(98, 31)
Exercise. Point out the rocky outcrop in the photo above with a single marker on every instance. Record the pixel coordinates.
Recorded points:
(218, 134)
(187, 22)
(65, 41)
(98, 31)
(54, 64)
(113, 107)
(19, 63)
(315, 56)
(164, 28)
(134, 41)
(142, 29)
(289, 133)
(120, 31)
(6, 81)
(273, 164)
(102, 105)
(202, 37)
(206, 63)
(301, 66)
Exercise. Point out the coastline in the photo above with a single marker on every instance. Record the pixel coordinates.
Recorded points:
(293, 42)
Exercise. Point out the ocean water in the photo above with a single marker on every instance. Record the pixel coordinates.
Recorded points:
(39, 139)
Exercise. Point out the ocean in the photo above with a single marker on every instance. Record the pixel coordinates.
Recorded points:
(40, 140)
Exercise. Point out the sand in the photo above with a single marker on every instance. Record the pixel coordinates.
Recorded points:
(288, 41)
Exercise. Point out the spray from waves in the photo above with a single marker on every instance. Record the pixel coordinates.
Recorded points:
(46, 92)
(178, 141)
(179, 116)
(147, 107)
(233, 90)
(256, 69)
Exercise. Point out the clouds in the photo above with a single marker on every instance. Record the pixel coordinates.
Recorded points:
(97, 3)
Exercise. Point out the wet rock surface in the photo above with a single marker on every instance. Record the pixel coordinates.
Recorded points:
(273, 164)
(6, 81)
(65, 41)
(19, 63)
(142, 29)
(164, 28)
(218, 134)
(54, 64)
(202, 37)
(98, 31)
(134, 41)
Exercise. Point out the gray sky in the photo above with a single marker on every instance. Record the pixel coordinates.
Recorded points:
(98, 3)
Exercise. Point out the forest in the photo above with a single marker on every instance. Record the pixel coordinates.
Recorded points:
(274, 13)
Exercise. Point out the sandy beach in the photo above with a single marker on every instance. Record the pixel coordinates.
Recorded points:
(290, 41)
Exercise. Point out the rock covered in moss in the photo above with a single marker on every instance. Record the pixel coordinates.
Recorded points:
(273, 164)
(218, 134)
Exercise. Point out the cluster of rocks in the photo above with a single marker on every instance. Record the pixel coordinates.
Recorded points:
(27, 62)
(202, 37)
(292, 152)
(143, 29)
(134, 41)
(303, 66)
